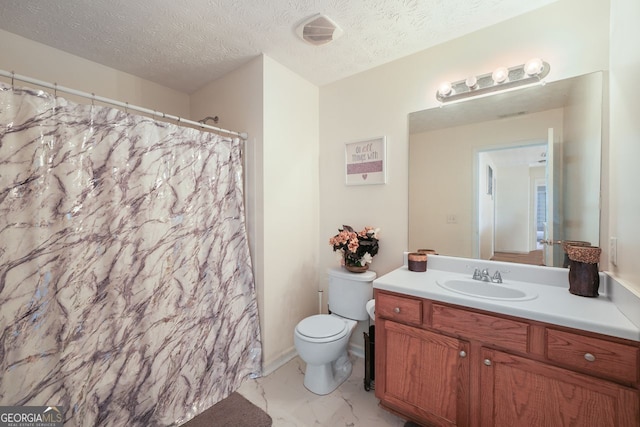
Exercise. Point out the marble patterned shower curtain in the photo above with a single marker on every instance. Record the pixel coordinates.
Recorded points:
(126, 291)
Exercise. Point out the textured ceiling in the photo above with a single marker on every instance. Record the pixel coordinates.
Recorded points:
(186, 44)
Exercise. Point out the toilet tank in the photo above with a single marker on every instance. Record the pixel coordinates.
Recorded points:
(349, 292)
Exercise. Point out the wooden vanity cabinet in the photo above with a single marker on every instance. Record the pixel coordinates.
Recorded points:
(444, 365)
(517, 391)
(424, 374)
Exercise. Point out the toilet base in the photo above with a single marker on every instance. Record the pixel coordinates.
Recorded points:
(323, 379)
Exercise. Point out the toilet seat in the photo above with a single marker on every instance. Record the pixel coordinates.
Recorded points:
(322, 328)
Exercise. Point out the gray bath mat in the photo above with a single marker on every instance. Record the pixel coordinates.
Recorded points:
(234, 411)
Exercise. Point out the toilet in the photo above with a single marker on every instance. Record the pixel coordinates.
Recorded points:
(322, 340)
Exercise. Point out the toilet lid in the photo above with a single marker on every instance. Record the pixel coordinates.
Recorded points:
(321, 326)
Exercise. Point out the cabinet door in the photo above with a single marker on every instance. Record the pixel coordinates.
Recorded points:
(425, 374)
(522, 392)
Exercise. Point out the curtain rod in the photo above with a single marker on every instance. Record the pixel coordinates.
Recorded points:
(125, 105)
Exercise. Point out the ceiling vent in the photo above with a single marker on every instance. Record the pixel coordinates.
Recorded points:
(319, 30)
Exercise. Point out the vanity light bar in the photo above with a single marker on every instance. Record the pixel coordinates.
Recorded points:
(501, 80)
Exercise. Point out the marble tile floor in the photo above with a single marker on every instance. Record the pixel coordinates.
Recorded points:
(283, 396)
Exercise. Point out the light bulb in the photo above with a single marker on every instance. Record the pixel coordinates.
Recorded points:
(534, 67)
(445, 89)
(471, 82)
(500, 75)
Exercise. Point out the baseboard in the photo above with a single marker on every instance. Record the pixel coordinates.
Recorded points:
(282, 360)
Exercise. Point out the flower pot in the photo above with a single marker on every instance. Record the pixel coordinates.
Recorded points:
(356, 268)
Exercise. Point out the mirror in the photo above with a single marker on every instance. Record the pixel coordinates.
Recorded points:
(502, 176)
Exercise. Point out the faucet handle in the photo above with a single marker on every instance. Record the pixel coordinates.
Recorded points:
(497, 277)
(477, 275)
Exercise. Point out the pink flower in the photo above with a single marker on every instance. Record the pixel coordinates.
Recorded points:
(353, 245)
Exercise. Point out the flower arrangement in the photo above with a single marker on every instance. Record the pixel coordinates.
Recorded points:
(355, 249)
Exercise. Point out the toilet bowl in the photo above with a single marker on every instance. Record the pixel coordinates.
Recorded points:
(322, 340)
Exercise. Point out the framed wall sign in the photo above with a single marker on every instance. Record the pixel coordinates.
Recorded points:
(365, 162)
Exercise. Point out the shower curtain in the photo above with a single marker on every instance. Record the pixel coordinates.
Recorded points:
(126, 290)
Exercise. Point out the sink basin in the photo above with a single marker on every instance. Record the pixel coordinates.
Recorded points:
(487, 290)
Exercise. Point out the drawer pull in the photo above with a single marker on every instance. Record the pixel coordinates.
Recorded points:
(487, 362)
(396, 310)
(590, 357)
(463, 353)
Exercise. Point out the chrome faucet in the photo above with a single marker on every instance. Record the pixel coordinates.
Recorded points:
(481, 275)
(497, 277)
(484, 275)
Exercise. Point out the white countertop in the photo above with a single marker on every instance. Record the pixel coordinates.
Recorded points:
(554, 303)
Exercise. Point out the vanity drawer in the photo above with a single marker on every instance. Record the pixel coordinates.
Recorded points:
(401, 309)
(593, 355)
(493, 330)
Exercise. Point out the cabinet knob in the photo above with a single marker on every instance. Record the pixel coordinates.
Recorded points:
(590, 357)
(396, 310)
(487, 362)
(463, 353)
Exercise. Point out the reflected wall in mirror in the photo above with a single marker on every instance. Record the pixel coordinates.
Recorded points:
(543, 147)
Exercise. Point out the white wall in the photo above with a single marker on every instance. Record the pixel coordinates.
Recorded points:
(512, 205)
(279, 111)
(624, 152)
(45, 63)
(377, 102)
(581, 174)
(290, 183)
